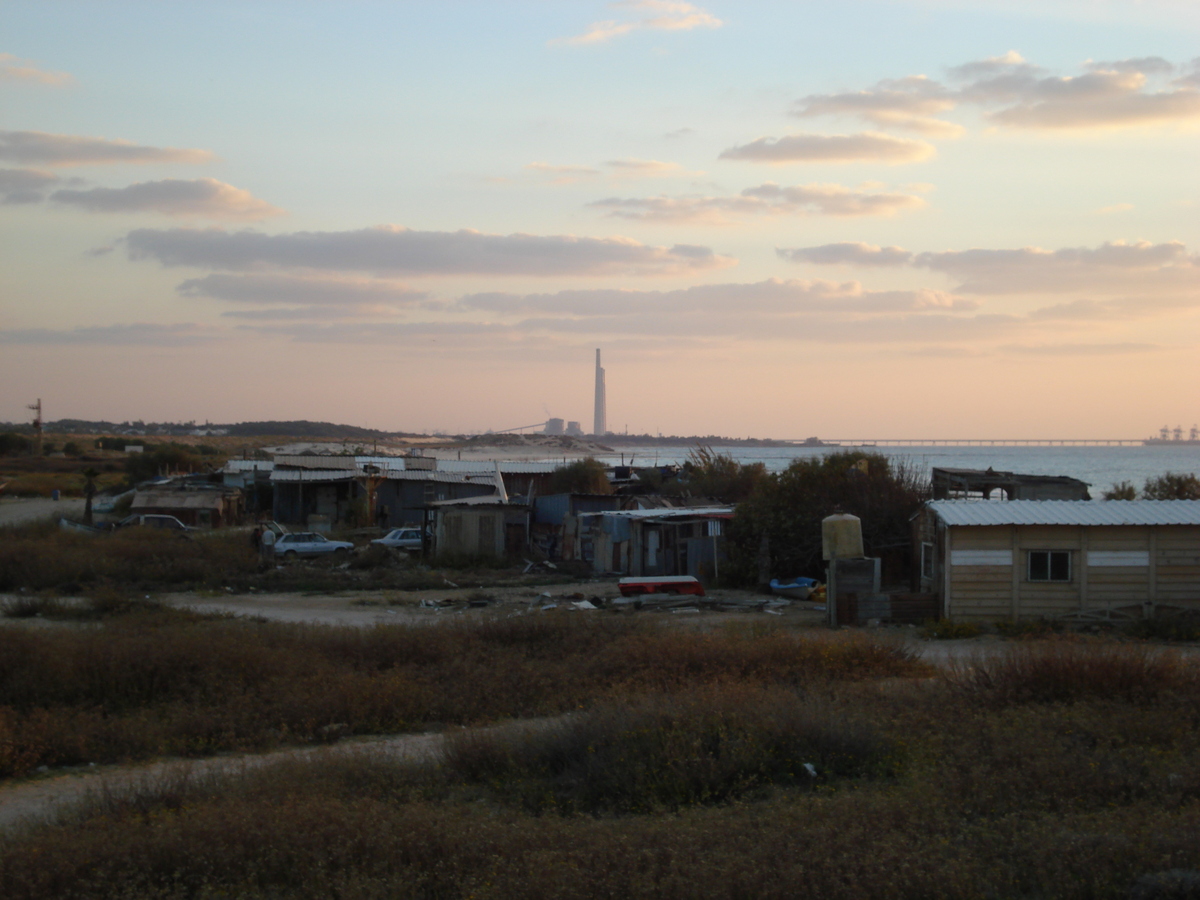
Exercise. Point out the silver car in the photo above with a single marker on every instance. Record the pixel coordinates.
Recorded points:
(401, 539)
(309, 543)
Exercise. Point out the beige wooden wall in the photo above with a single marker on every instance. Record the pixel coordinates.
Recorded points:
(1125, 568)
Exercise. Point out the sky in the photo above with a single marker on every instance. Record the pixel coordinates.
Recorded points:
(873, 218)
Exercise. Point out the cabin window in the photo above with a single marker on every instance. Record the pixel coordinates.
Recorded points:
(927, 561)
(1049, 565)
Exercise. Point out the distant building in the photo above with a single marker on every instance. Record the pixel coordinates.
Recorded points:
(574, 429)
(553, 426)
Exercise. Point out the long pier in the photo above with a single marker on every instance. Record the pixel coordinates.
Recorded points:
(981, 442)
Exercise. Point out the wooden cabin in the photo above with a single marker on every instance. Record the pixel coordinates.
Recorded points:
(1082, 560)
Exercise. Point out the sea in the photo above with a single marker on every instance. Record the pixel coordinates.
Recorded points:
(1101, 467)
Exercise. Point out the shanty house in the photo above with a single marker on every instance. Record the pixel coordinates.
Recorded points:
(324, 486)
(640, 542)
(1058, 559)
(480, 526)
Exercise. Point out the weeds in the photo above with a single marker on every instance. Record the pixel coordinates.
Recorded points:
(1068, 672)
(716, 745)
(947, 630)
(149, 683)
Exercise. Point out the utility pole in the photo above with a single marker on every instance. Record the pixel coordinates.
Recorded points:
(37, 426)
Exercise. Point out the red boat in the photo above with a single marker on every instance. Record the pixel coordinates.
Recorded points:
(660, 584)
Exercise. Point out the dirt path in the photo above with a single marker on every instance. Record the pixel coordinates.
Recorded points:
(41, 799)
(20, 511)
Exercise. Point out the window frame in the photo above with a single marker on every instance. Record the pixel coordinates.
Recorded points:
(927, 560)
(1049, 566)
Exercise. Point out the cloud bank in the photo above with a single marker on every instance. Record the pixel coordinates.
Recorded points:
(1018, 94)
(204, 197)
(42, 149)
(393, 249)
(866, 146)
(1115, 267)
(25, 185)
(276, 288)
(765, 199)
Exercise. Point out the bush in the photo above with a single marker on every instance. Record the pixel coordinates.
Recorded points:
(1172, 486)
(787, 509)
(669, 752)
(584, 476)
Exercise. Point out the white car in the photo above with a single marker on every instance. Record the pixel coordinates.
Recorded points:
(401, 539)
(309, 543)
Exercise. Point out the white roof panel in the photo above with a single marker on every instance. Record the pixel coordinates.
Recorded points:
(680, 512)
(1068, 512)
(248, 465)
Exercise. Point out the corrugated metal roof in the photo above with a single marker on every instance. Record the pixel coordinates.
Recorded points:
(317, 462)
(313, 476)
(1068, 512)
(439, 477)
(248, 465)
(699, 512)
(481, 500)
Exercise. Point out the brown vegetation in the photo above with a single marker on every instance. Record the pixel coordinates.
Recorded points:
(923, 791)
(144, 685)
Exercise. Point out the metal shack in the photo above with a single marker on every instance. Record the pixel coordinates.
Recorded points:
(480, 526)
(641, 542)
(1058, 558)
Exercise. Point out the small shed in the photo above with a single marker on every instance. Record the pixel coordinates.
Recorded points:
(1099, 559)
(643, 542)
(481, 526)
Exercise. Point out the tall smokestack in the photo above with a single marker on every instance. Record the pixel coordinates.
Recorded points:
(600, 425)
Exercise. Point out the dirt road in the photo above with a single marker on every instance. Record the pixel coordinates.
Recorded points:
(42, 799)
(21, 511)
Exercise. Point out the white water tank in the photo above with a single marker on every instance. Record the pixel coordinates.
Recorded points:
(841, 537)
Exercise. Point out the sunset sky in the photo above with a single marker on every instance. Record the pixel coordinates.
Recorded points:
(855, 219)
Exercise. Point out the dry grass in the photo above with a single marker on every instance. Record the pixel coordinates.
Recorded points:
(43, 557)
(714, 745)
(149, 684)
(1027, 801)
(1066, 671)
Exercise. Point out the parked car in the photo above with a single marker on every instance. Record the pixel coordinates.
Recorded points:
(401, 539)
(309, 543)
(146, 520)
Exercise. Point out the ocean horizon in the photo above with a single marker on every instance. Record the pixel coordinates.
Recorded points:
(1100, 467)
